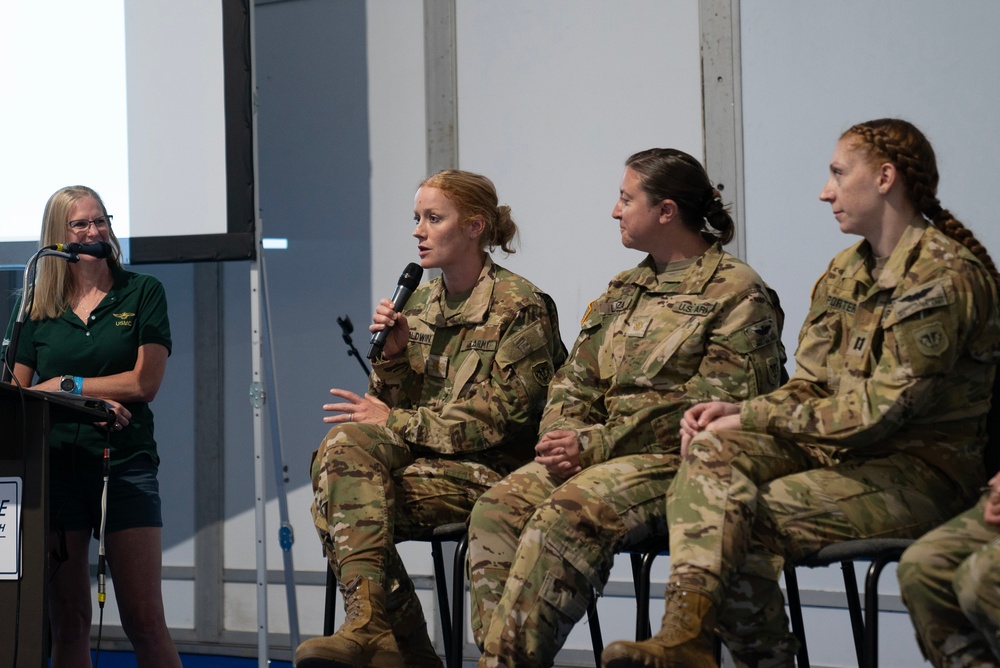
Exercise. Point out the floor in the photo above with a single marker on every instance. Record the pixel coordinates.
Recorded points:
(110, 659)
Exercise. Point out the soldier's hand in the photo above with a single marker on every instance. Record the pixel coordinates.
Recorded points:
(399, 333)
(559, 452)
(716, 415)
(356, 408)
(991, 514)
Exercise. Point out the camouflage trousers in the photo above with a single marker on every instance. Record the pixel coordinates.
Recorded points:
(950, 582)
(539, 548)
(743, 503)
(369, 491)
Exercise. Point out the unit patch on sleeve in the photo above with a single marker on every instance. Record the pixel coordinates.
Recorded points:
(931, 339)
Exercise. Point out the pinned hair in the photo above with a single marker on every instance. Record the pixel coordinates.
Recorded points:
(475, 195)
(668, 173)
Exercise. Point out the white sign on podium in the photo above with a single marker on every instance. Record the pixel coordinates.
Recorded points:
(10, 528)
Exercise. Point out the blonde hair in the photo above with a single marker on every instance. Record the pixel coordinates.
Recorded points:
(475, 195)
(54, 282)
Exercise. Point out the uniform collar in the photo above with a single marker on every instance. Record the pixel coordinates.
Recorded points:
(695, 278)
(476, 307)
(902, 256)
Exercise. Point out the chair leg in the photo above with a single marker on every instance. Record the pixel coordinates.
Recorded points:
(636, 560)
(453, 653)
(441, 589)
(854, 607)
(643, 630)
(795, 612)
(871, 607)
(594, 622)
(330, 608)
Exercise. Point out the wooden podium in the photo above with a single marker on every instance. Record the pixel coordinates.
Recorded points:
(26, 417)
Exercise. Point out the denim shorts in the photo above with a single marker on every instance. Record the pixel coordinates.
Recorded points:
(75, 489)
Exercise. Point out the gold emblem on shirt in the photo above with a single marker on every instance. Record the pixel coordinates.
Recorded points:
(638, 326)
(123, 319)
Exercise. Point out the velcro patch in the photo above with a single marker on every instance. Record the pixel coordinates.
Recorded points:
(773, 371)
(423, 338)
(542, 373)
(437, 366)
(691, 308)
(480, 344)
(761, 334)
(931, 339)
(839, 304)
(919, 300)
(604, 308)
(637, 326)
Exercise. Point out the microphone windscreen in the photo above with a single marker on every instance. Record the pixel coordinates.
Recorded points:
(410, 278)
(103, 249)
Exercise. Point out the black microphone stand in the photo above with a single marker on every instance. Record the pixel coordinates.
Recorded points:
(347, 327)
(10, 345)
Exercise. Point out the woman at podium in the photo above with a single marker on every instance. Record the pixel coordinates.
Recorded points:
(94, 329)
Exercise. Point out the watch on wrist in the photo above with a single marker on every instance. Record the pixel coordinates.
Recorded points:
(67, 384)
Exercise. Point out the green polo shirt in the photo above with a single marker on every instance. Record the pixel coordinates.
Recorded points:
(133, 313)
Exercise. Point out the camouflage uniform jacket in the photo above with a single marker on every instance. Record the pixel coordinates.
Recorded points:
(472, 386)
(647, 351)
(904, 362)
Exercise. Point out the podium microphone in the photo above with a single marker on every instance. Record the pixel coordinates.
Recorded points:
(408, 282)
(98, 249)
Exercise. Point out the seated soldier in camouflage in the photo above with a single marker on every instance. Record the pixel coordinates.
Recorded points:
(950, 582)
(690, 323)
(453, 405)
(880, 431)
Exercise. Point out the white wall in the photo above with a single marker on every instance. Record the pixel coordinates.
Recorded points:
(552, 97)
(397, 121)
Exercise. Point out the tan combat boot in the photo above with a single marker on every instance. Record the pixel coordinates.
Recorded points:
(410, 628)
(364, 640)
(684, 639)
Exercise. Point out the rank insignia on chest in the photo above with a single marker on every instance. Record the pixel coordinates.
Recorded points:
(637, 326)
(857, 346)
(437, 366)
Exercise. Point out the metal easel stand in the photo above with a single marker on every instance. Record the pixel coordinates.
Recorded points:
(286, 537)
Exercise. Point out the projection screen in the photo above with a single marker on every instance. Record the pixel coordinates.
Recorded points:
(147, 101)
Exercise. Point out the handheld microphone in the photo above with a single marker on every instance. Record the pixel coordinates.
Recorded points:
(98, 249)
(408, 282)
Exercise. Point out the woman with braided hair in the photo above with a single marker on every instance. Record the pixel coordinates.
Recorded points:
(880, 431)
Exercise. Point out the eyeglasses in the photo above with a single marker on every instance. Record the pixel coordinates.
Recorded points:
(102, 223)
